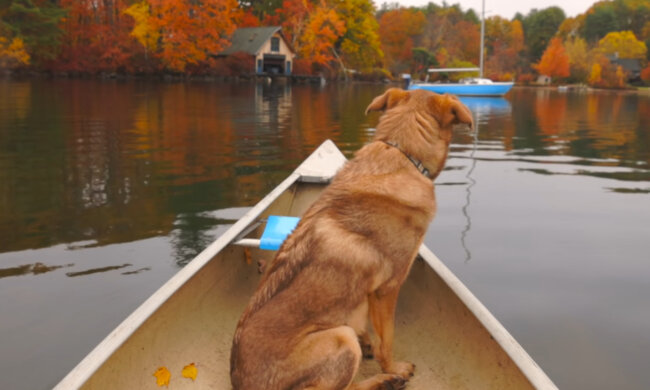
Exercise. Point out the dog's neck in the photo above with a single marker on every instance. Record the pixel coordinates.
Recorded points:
(418, 164)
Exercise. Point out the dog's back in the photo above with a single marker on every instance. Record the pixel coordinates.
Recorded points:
(357, 240)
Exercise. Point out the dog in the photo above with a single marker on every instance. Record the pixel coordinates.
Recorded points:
(348, 257)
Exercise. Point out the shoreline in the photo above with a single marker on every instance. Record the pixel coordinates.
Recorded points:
(256, 78)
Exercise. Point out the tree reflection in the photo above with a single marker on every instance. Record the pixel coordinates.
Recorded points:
(122, 161)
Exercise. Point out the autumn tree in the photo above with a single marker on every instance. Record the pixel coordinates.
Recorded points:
(96, 37)
(578, 53)
(359, 46)
(504, 41)
(143, 29)
(622, 44)
(190, 30)
(294, 16)
(605, 74)
(34, 25)
(610, 16)
(12, 53)
(397, 30)
(322, 31)
(554, 61)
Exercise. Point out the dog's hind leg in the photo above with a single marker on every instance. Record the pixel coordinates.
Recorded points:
(331, 359)
(326, 360)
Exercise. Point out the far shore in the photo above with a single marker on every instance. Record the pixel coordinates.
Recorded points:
(252, 78)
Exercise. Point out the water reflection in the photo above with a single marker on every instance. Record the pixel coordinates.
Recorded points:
(30, 269)
(79, 160)
(483, 109)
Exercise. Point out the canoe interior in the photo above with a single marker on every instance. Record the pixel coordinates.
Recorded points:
(449, 346)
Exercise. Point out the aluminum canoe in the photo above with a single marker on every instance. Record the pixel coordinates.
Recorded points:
(454, 341)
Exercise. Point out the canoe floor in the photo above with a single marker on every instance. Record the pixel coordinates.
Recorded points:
(434, 330)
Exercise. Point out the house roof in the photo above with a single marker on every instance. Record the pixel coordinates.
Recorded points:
(250, 39)
(629, 64)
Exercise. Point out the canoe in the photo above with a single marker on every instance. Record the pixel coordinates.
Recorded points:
(451, 337)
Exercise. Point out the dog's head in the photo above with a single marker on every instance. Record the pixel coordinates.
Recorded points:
(420, 122)
(447, 110)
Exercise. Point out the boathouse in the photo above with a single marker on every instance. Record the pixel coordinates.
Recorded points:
(269, 47)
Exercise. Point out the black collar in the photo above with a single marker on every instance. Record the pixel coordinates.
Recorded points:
(418, 164)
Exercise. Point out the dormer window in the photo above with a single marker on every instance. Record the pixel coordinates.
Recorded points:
(275, 44)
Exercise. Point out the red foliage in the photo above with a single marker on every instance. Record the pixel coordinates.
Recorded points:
(645, 73)
(249, 20)
(526, 78)
(96, 38)
(302, 66)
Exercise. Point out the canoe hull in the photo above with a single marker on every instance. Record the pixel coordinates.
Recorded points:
(440, 326)
(494, 89)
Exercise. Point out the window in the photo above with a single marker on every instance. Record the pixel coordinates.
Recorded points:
(275, 44)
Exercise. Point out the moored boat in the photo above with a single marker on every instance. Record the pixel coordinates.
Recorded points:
(454, 341)
(473, 86)
(469, 86)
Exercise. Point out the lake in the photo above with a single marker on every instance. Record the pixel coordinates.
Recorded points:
(107, 188)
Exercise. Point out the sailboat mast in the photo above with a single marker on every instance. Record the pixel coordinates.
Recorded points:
(482, 38)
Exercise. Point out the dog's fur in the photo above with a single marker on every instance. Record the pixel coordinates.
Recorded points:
(348, 257)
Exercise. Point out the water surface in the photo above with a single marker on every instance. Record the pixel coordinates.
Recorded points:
(108, 188)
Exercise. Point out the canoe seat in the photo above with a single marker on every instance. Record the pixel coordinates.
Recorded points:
(277, 229)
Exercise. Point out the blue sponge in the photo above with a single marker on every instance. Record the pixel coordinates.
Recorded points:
(276, 231)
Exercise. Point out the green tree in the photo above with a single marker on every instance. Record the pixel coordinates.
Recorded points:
(600, 20)
(539, 28)
(36, 25)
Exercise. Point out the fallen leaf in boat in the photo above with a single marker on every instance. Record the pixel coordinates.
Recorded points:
(190, 371)
(247, 256)
(163, 376)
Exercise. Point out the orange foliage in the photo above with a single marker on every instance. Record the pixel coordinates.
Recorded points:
(190, 31)
(322, 31)
(645, 73)
(604, 74)
(294, 16)
(97, 37)
(504, 42)
(397, 29)
(249, 20)
(554, 61)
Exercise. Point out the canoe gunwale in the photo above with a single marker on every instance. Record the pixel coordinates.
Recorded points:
(531, 370)
(89, 365)
(319, 167)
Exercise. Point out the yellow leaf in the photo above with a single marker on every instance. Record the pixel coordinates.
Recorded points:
(163, 376)
(190, 371)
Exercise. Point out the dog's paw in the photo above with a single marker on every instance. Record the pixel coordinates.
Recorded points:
(393, 382)
(366, 351)
(366, 346)
(403, 369)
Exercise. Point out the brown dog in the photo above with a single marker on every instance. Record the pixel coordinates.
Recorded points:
(348, 257)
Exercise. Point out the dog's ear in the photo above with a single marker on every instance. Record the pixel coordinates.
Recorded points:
(449, 111)
(388, 100)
